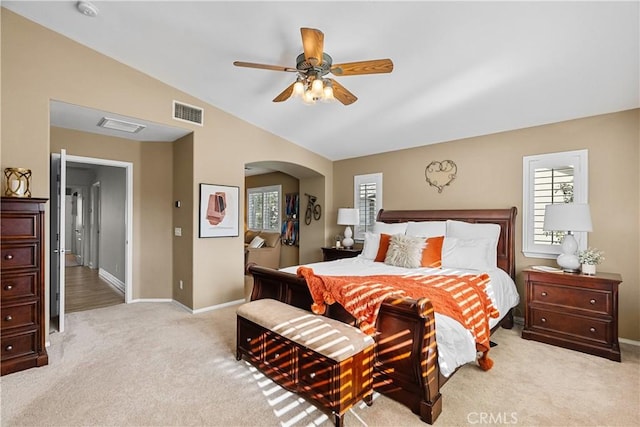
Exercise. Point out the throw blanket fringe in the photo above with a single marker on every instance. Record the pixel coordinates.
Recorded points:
(463, 298)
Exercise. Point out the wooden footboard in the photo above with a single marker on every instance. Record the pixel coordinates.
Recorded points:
(406, 359)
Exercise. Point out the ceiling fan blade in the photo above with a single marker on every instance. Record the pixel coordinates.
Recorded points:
(285, 94)
(313, 45)
(342, 94)
(375, 66)
(264, 66)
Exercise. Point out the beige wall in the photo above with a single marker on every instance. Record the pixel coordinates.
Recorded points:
(490, 176)
(39, 65)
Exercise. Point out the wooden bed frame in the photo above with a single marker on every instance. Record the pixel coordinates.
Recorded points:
(406, 362)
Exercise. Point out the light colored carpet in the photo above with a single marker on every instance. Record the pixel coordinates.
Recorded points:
(154, 364)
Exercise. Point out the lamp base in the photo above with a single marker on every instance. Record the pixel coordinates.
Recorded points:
(347, 242)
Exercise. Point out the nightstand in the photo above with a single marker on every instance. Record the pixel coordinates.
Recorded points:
(333, 253)
(573, 311)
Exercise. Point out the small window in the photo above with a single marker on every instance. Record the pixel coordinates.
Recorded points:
(550, 179)
(263, 208)
(367, 197)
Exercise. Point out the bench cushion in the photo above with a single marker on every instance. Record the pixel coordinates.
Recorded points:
(331, 338)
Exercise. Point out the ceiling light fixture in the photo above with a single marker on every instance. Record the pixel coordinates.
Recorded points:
(120, 125)
(87, 9)
(312, 89)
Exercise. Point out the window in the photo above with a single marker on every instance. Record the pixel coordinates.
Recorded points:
(263, 208)
(367, 197)
(549, 179)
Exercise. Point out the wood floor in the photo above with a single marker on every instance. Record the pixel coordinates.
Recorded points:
(85, 290)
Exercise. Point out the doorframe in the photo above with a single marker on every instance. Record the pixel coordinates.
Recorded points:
(128, 166)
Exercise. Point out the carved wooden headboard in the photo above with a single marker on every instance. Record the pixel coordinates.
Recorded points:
(505, 218)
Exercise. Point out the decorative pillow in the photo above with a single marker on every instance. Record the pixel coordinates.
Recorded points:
(391, 229)
(426, 228)
(432, 253)
(257, 242)
(370, 245)
(466, 230)
(405, 251)
(471, 254)
(383, 246)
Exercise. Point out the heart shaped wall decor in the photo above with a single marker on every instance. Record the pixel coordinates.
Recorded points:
(440, 174)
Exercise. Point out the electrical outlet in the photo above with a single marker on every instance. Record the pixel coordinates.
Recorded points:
(181, 287)
(177, 231)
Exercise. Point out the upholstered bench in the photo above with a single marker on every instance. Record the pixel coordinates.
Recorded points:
(327, 361)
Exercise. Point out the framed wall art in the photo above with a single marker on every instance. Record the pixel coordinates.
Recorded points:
(219, 210)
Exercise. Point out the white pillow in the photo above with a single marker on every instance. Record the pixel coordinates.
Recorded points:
(257, 242)
(370, 245)
(405, 251)
(466, 230)
(391, 229)
(471, 254)
(426, 228)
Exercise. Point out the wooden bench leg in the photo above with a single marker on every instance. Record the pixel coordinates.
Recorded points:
(368, 399)
(338, 420)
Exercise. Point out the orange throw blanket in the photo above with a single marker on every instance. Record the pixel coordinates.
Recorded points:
(463, 298)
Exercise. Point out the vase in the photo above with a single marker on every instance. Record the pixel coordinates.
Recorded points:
(589, 269)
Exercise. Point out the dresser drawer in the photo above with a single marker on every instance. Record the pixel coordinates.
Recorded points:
(250, 337)
(315, 374)
(590, 300)
(23, 285)
(278, 354)
(16, 316)
(20, 256)
(575, 326)
(18, 345)
(19, 227)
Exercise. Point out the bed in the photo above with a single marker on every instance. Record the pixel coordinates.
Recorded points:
(409, 365)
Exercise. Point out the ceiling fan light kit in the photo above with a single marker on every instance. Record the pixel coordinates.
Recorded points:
(313, 64)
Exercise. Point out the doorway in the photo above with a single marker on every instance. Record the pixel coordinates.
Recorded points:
(91, 259)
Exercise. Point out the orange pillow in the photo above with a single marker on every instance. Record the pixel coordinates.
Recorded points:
(385, 239)
(432, 253)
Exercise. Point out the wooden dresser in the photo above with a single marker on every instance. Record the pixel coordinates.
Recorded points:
(574, 311)
(22, 295)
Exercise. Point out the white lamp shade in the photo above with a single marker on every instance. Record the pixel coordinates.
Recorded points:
(348, 216)
(567, 217)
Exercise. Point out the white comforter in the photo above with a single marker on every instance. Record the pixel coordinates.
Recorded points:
(456, 345)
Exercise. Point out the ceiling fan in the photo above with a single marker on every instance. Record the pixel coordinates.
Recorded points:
(313, 64)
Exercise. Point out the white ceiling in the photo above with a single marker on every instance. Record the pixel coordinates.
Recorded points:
(461, 69)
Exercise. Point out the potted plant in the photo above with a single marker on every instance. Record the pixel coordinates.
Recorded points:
(589, 258)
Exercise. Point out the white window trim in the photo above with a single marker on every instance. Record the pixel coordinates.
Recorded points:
(268, 189)
(361, 179)
(580, 161)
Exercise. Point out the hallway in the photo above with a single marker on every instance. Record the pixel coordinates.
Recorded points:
(85, 290)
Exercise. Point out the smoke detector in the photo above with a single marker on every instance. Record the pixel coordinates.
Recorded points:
(87, 9)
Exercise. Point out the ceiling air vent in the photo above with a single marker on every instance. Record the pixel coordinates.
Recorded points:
(187, 113)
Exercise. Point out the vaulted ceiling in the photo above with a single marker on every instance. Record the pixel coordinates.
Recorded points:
(461, 69)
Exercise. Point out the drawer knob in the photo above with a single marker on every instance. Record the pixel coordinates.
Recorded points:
(8, 256)
(277, 355)
(543, 320)
(592, 301)
(8, 287)
(544, 294)
(9, 347)
(248, 339)
(8, 318)
(592, 329)
(312, 375)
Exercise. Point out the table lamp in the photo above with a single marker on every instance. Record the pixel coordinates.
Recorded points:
(348, 217)
(568, 217)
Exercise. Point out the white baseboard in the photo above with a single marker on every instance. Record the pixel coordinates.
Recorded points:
(112, 280)
(150, 300)
(628, 341)
(218, 306)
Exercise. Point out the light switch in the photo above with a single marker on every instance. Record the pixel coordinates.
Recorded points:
(177, 231)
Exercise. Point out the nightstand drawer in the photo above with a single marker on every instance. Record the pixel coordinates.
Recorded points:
(592, 301)
(575, 326)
